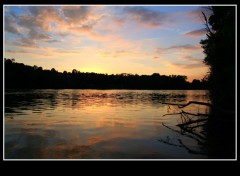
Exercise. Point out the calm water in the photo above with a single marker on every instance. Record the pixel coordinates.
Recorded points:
(97, 124)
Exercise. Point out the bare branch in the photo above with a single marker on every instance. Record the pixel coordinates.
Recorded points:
(188, 135)
(206, 23)
(172, 114)
(191, 122)
(201, 103)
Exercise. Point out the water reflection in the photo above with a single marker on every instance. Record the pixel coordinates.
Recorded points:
(92, 123)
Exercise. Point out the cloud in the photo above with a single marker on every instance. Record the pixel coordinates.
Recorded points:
(196, 33)
(188, 62)
(120, 53)
(75, 14)
(188, 66)
(18, 52)
(193, 15)
(27, 52)
(68, 51)
(196, 14)
(179, 48)
(44, 24)
(45, 16)
(188, 47)
(10, 25)
(191, 59)
(33, 27)
(155, 57)
(145, 16)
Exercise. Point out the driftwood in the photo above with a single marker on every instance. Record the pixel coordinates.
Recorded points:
(181, 144)
(191, 134)
(190, 122)
(221, 110)
(190, 102)
(184, 112)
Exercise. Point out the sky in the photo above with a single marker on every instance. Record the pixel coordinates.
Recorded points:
(108, 39)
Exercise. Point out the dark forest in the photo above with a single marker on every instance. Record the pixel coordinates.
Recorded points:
(21, 76)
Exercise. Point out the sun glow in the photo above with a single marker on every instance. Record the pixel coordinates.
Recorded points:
(107, 39)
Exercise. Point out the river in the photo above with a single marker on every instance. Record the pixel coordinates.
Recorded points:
(97, 124)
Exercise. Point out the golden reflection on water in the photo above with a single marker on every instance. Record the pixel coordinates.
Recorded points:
(77, 124)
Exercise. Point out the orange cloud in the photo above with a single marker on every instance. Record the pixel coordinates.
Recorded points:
(44, 24)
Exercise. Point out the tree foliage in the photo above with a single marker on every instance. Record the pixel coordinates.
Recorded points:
(219, 48)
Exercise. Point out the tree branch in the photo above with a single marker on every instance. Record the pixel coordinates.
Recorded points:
(188, 135)
(191, 122)
(201, 103)
(206, 23)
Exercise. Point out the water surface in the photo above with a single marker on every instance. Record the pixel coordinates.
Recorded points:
(97, 124)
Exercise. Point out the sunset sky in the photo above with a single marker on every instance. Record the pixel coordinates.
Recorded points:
(108, 39)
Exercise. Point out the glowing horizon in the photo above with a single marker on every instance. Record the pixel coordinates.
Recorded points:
(107, 39)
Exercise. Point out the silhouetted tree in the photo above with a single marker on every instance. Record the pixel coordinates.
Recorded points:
(74, 71)
(219, 48)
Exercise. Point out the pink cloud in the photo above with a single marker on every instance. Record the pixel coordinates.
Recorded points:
(196, 33)
(179, 48)
(191, 59)
(44, 23)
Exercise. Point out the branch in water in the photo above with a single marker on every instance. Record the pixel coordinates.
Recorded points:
(198, 114)
(188, 135)
(181, 145)
(172, 114)
(201, 103)
(190, 102)
(184, 112)
(191, 122)
(190, 150)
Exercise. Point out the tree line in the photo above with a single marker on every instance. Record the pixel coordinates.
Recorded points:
(21, 76)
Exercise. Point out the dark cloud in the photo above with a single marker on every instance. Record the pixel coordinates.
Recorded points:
(38, 11)
(196, 33)
(38, 34)
(75, 14)
(11, 25)
(27, 21)
(30, 42)
(33, 25)
(145, 16)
